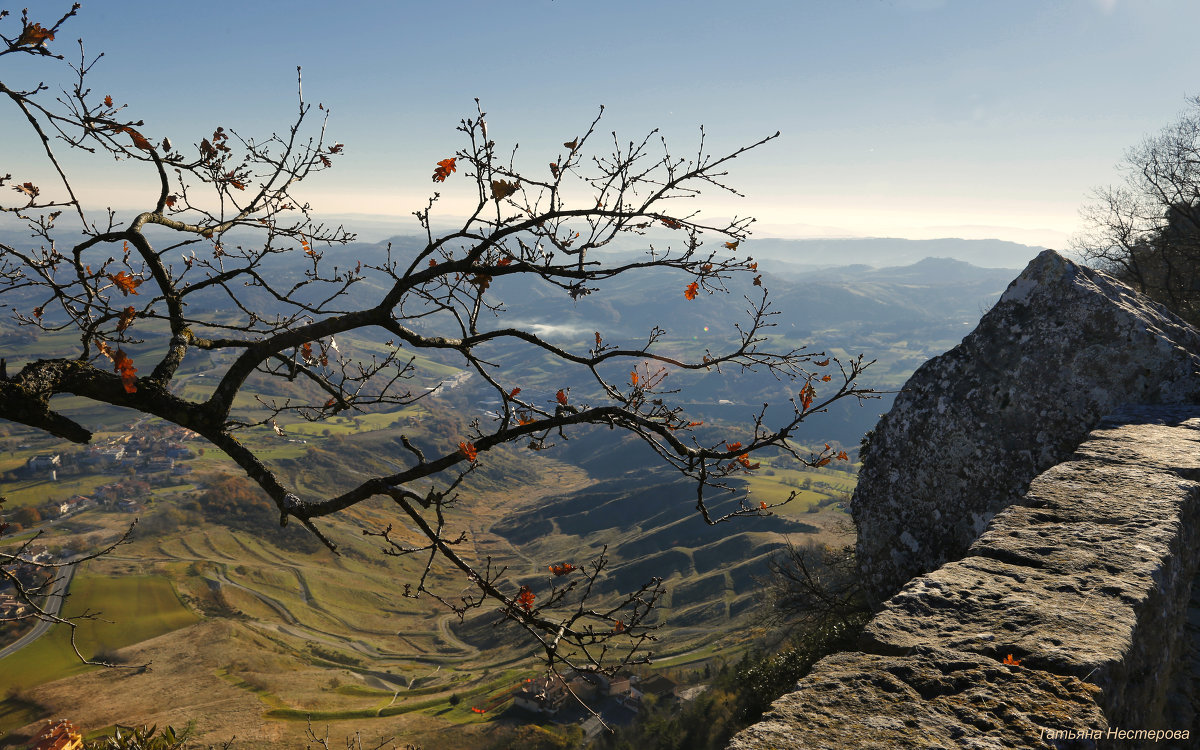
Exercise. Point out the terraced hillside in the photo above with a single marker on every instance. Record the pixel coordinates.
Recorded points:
(280, 634)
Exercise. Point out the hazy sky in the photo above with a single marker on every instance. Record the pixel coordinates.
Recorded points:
(909, 118)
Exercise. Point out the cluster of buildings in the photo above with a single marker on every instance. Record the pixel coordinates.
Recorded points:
(548, 694)
(29, 573)
(11, 607)
(60, 735)
(149, 451)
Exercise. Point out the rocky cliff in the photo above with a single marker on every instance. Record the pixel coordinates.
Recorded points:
(1064, 346)
(1061, 611)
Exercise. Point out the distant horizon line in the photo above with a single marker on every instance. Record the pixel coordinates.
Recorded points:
(387, 226)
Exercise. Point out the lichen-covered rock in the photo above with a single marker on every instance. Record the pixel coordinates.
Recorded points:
(928, 699)
(1064, 346)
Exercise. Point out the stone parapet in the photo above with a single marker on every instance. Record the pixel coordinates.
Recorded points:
(1087, 582)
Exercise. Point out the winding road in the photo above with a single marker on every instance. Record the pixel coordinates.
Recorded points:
(53, 606)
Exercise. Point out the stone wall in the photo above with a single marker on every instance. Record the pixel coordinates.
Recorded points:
(1089, 582)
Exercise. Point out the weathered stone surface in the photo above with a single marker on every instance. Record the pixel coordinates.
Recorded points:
(1091, 576)
(1089, 583)
(1063, 346)
(930, 699)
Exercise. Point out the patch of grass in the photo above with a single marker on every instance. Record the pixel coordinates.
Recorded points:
(362, 691)
(17, 711)
(39, 491)
(140, 607)
(299, 714)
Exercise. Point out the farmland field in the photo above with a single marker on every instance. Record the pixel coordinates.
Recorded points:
(138, 608)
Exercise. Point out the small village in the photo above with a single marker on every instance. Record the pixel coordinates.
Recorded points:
(591, 699)
(145, 453)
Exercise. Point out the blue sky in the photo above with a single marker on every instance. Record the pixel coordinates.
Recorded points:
(909, 118)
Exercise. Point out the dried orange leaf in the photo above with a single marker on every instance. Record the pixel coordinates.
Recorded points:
(525, 598)
(124, 365)
(126, 319)
(444, 168)
(501, 189)
(34, 35)
(468, 450)
(807, 394)
(126, 283)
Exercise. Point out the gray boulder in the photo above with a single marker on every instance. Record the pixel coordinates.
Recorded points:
(1064, 346)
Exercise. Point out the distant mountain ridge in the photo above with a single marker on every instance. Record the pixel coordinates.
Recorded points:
(887, 251)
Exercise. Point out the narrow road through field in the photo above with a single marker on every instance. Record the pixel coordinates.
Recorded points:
(52, 606)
